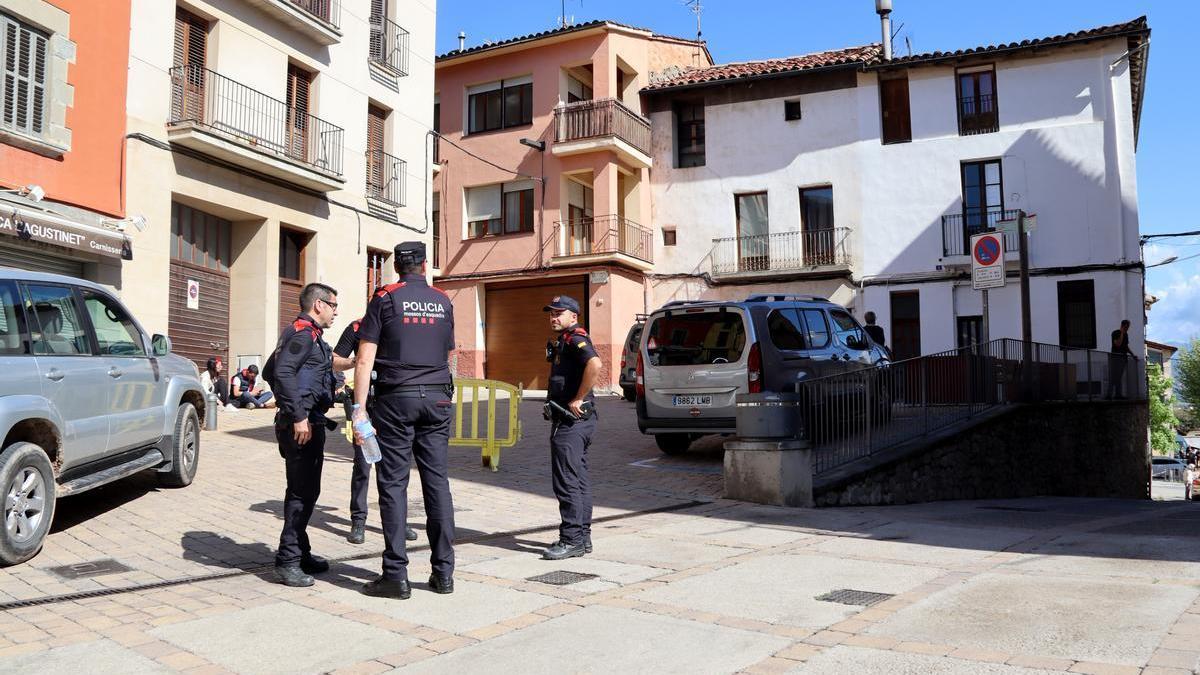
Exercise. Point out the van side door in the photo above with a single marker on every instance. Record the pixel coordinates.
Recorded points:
(852, 339)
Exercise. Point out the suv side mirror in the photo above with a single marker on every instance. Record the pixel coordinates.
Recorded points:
(856, 342)
(161, 344)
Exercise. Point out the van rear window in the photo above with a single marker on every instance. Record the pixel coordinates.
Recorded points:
(695, 339)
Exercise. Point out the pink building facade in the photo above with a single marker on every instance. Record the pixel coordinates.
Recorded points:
(542, 188)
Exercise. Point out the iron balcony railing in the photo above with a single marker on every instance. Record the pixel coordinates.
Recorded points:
(850, 416)
(977, 115)
(781, 251)
(958, 228)
(604, 234)
(209, 99)
(599, 118)
(386, 177)
(328, 12)
(388, 46)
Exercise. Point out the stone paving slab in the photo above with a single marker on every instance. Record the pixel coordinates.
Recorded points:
(1081, 619)
(730, 532)
(925, 544)
(782, 589)
(606, 639)
(282, 638)
(471, 606)
(101, 657)
(860, 661)
(524, 565)
(1156, 557)
(651, 551)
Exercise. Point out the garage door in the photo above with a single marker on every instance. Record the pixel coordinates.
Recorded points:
(36, 260)
(517, 328)
(200, 253)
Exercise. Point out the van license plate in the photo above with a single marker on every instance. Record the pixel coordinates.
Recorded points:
(692, 400)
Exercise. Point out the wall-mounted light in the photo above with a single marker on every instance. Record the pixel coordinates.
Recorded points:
(540, 146)
(34, 192)
(138, 221)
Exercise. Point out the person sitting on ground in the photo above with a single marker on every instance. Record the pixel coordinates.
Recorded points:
(213, 382)
(246, 392)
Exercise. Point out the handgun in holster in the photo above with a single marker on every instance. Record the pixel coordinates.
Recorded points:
(552, 411)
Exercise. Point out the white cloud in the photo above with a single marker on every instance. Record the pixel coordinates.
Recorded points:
(1175, 318)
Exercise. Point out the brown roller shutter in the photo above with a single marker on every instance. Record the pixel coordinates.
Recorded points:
(291, 274)
(191, 53)
(376, 118)
(297, 108)
(516, 328)
(200, 251)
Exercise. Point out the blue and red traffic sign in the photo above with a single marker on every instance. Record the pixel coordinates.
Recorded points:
(987, 251)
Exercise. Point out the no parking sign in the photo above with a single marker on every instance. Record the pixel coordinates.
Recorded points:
(987, 261)
(193, 294)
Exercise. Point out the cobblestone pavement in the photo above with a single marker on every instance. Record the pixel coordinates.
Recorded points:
(680, 581)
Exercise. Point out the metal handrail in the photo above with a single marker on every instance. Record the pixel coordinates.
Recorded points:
(958, 228)
(209, 99)
(328, 12)
(598, 118)
(781, 251)
(977, 115)
(603, 234)
(388, 47)
(386, 177)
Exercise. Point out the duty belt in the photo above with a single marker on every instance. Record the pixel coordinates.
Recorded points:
(413, 390)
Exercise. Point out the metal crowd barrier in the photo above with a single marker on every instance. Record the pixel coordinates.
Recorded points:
(471, 429)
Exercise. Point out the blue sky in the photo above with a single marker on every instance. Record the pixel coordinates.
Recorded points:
(738, 30)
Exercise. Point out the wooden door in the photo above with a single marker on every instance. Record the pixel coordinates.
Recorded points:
(376, 118)
(201, 255)
(191, 53)
(291, 274)
(897, 119)
(516, 328)
(297, 142)
(906, 324)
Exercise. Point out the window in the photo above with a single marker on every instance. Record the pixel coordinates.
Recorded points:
(819, 243)
(500, 105)
(376, 263)
(689, 135)
(200, 239)
(116, 334)
(298, 84)
(893, 104)
(437, 127)
(818, 330)
(1077, 314)
(291, 253)
(500, 209)
(754, 248)
(23, 87)
(970, 331)
(14, 338)
(847, 329)
(1155, 358)
(696, 339)
(791, 110)
(436, 217)
(668, 237)
(786, 328)
(577, 90)
(55, 328)
(977, 102)
(983, 196)
(376, 123)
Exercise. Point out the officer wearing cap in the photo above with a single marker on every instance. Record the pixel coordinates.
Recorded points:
(574, 367)
(300, 372)
(406, 338)
(347, 345)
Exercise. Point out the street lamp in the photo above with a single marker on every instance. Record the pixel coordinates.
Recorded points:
(1168, 261)
(540, 146)
(34, 192)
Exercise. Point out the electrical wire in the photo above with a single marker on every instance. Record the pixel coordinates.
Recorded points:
(489, 162)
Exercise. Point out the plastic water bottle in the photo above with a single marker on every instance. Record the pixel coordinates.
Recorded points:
(370, 443)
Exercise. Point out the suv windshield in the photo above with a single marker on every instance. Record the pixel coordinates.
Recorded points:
(696, 338)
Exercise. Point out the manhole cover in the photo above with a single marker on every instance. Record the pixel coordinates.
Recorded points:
(562, 578)
(93, 568)
(847, 596)
(1023, 509)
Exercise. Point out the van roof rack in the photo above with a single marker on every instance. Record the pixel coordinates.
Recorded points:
(780, 297)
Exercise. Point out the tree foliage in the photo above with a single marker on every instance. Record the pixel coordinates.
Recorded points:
(1187, 369)
(1162, 417)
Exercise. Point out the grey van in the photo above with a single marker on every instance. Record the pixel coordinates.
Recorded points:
(86, 398)
(696, 357)
(628, 376)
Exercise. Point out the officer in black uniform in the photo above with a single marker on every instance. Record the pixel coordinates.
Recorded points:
(347, 345)
(406, 337)
(574, 367)
(302, 378)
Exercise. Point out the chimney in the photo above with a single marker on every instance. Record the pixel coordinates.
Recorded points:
(462, 40)
(884, 9)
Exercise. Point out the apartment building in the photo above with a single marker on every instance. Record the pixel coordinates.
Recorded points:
(862, 178)
(271, 143)
(62, 119)
(542, 189)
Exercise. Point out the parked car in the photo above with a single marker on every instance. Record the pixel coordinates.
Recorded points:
(1167, 468)
(628, 377)
(694, 358)
(86, 399)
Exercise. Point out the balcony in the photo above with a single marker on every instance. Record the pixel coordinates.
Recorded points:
(977, 115)
(602, 124)
(782, 253)
(386, 178)
(603, 239)
(958, 228)
(227, 120)
(388, 48)
(318, 19)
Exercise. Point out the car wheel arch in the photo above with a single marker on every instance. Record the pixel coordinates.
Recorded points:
(42, 433)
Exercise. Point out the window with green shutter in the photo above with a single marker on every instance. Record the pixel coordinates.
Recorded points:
(23, 86)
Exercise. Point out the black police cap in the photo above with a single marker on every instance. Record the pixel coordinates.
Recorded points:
(410, 252)
(561, 302)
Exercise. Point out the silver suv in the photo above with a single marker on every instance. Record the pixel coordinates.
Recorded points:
(86, 398)
(696, 357)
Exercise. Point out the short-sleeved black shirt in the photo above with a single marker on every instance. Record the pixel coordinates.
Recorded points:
(575, 349)
(347, 344)
(413, 324)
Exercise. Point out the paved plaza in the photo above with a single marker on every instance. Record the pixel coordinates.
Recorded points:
(681, 580)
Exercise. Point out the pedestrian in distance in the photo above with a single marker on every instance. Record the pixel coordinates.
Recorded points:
(406, 337)
(876, 332)
(213, 382)
(346, 346)
(570, 408)
(1118, 361)
(246, 392)
(300, 371)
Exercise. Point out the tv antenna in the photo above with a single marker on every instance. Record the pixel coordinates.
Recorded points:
(563, 19)
(697, 9)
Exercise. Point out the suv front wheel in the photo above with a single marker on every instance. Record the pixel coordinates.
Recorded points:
(27, 481)
(184, 453)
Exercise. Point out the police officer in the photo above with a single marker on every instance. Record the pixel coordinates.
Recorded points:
(302, 377)
(574, 367)
(406, 337)
(347, 345)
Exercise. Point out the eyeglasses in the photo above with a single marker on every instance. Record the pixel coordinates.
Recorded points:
(331, 304)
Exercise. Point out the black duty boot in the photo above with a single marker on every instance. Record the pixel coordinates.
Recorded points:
(587, 544)
(313, 564)
(441, 584)
(387, 588)
(292, 575)
(358, 532)
(409, 533)
(561, 550)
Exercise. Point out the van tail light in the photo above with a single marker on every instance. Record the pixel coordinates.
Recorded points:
(640, 382)
(754, 372)
(624, 362)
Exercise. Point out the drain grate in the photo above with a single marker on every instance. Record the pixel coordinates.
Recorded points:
(92, 568)
(562, 578)
(848, 596)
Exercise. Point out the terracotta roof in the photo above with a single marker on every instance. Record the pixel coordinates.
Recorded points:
(555, 31)
(748, 69)
(1161, 347)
